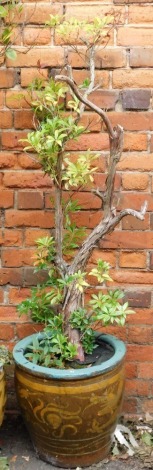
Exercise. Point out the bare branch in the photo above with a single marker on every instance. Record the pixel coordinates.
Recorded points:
(98, 194)
(106, 226)
(116, 146)
(96, 109)
(92, 77)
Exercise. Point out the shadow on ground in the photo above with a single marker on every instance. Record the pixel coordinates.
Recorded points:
(16, 445)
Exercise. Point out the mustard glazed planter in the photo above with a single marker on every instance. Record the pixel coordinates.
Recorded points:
(2, 394)
(71, 414)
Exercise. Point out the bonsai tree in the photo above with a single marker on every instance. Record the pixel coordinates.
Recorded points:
(59, 108)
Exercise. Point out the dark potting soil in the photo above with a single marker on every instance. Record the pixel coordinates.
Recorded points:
(103, 352)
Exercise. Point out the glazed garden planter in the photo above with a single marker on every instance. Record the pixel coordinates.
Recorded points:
(71, 414)
(2, 394)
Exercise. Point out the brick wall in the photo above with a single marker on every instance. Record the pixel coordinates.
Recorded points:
(125, 69)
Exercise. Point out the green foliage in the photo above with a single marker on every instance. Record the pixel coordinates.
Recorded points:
(5, 355)
(101, 272)
(54, 349)
(107, 308)
(93, 32)
(8, 12)
(45, 252)
(79, 173)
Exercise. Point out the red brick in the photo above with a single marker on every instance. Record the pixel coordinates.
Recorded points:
(151, 221)
(28, 161)
(1, 295)
(26, 179)
(130, 405)
(12, 140)
(7, 78)
(139, 353)
(132, 78)
(29, 218)
(88, 12)
(120, 2)
(133, 121)
(36, 36)
(131, 370)
(147, 406)
(103, 99)
(135, 141)
(15, 99)
(27, 329)
(37, 13)
(130, 36)
(101, 76)
(13, 257)
(2, 95)
(132, 223)
(140, 334)
(6, 119)
(30, 200)
(132, 277)
(14, 277)
(134, 161)
(23, 119)
(135, 181)
(140, 14)
(87, 218)
(7, 332)
(128, 240)
(8, 160)
(92, 141)
(9, 314)
(100, 180)
(6, 198)
(136, 99)
(17, 295)
(132, 259)
(31, 235)
(28, 75)
(151, 260)
(105, 58)
(141, 57)
(50, 56)
(142, 316)
(136, 387)
(151, 144)
(108, 256)
(145, 370)
(12, 237)
(31, 278)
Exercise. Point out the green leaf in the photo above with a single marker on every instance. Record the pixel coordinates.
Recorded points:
(147, 438)
(3, 12)
(4, 465)
(11, 54)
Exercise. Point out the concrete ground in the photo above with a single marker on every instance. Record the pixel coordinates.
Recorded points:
(16, 446)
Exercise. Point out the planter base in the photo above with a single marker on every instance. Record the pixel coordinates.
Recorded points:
(71, 421)
(2, 395)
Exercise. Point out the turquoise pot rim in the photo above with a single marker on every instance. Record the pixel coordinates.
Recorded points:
(69, 374)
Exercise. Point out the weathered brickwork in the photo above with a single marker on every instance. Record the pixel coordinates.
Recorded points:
(125, 69)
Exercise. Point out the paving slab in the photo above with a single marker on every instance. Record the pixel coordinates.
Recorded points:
(16, 445)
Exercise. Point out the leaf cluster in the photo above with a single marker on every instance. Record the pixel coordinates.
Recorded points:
(91, 32)
(7, 26)
(45, 306)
